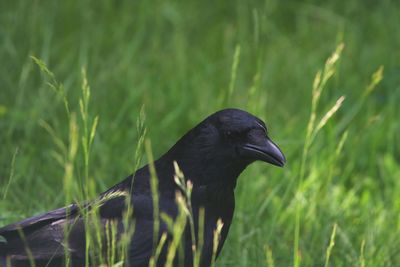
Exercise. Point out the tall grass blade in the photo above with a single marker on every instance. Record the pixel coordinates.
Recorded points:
(362, 251)
(331, 245)
(320, 80)
(10, 178)
(216, 240)
(270, 258)
(350, 115)
(154, 193)
(232, 81)
(178, 228)
(53, 83)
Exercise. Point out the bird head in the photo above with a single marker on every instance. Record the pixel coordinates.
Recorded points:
(224, 144)
(244, 137)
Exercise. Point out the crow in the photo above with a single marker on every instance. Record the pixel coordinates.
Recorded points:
(211, 156)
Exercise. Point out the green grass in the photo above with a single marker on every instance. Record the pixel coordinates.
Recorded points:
(183, 60)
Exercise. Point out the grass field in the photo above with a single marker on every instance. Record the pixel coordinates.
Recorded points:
(336, 202)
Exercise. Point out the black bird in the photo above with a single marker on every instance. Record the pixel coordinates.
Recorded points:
(211, 155)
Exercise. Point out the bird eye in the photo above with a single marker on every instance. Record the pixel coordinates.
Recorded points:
(232, 135)
(228, 134)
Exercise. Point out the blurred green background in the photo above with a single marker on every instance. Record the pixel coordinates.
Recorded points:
(177, 58)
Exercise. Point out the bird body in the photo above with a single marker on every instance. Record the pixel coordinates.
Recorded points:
(212, 155)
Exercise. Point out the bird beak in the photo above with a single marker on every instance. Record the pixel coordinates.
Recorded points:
(266, 151)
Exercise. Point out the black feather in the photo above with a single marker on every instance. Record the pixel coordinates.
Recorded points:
(210, 155)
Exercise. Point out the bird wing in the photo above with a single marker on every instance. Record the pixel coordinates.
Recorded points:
(38, 221)
(110, 205)
(39, 237)
(43, 236)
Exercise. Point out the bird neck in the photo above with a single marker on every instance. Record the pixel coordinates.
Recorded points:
(200, 169)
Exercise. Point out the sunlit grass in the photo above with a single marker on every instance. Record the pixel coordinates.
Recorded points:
(67, 135)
